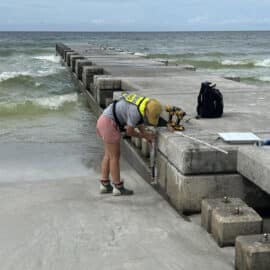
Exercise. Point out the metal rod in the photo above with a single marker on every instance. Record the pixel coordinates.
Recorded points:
(153, 153)
(202, 142)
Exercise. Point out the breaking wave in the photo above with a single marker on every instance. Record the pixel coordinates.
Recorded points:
(260, 80)
(265, 78)
(49, 58)
(224, 64)
(13, 74)
(263, 63)
(38, 105)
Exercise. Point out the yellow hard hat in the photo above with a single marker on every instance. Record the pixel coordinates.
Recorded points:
(153, 111)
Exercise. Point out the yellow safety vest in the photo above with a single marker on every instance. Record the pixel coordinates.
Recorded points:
(139, 101)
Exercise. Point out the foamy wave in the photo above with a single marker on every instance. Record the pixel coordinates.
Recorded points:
(9, 75)
(50, 58)
(140, 54)
(55, 102)
(50, 71)
(263, 63)
(233, 63)
(39, 105)
(37, 84)
(265, 78)
(39, 73)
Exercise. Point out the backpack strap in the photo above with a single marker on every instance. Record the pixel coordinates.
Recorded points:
(121, 128)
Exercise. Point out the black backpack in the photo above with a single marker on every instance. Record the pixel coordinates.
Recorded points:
(210, 101)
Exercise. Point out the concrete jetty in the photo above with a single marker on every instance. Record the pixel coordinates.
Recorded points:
(246, 108)
(188, 172)
(66, 224)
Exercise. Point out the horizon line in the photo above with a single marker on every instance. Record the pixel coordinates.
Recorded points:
(130, 31)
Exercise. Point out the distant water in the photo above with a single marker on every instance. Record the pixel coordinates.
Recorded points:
(39, 103)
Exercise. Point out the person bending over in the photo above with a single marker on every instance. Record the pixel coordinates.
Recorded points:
(130, 112)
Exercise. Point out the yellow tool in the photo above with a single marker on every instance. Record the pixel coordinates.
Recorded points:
(179, 114)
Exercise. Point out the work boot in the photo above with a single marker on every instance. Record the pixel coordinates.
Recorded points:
(120, 190)
(105, 187)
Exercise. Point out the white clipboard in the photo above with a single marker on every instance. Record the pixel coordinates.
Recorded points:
(239, 137)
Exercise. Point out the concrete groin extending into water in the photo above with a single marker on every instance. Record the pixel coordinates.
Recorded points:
(188, 172)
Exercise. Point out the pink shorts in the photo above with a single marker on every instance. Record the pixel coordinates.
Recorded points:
(108, 130)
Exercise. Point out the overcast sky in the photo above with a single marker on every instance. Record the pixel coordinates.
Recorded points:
(134, 15)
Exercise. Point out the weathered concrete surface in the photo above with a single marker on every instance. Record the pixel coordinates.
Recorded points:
(66, 224)
(145, 148)
(194, 158)
(103, 88)
(73, 59)
(79, 67)
(138, 142)
(254, 164)
(187, 192)
(68, 55)
(161, 171)
(227, 225)
(252, 253)
(88, 75)
(208, 205)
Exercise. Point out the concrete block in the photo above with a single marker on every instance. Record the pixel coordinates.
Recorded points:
(108, 101)
(145, 148)
(133, 141)
(68, 57)
(103, 88)
(117, 95)
(138, 143)
(66, 52)
(227, 224)
(73, 59)
(187, 191)
(102, 95)
(60, 48)
(107, 83)
(208, 205)
(79, 67)
(252, 252)
(254, 164)
(88, 75)
(173, 188)
(255, 197)
(266, 224)
(161, 163)
(193, 158)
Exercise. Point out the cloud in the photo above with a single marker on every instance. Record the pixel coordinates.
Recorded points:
(198, 20)
(98, 21)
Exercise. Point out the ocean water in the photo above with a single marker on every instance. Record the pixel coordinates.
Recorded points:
(46, 129)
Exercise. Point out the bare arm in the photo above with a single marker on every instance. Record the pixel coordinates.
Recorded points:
(149, 136)
(133, 133)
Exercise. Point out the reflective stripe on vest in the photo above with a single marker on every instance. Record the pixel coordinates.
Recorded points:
(139, 101)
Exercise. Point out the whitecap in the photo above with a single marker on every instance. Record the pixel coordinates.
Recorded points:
(37, 84)
(140, 54)
(55, 102)
(265, 78)
(263, 63)
(49, 58)
(232, 62)
(49, 71)
(12, 74)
